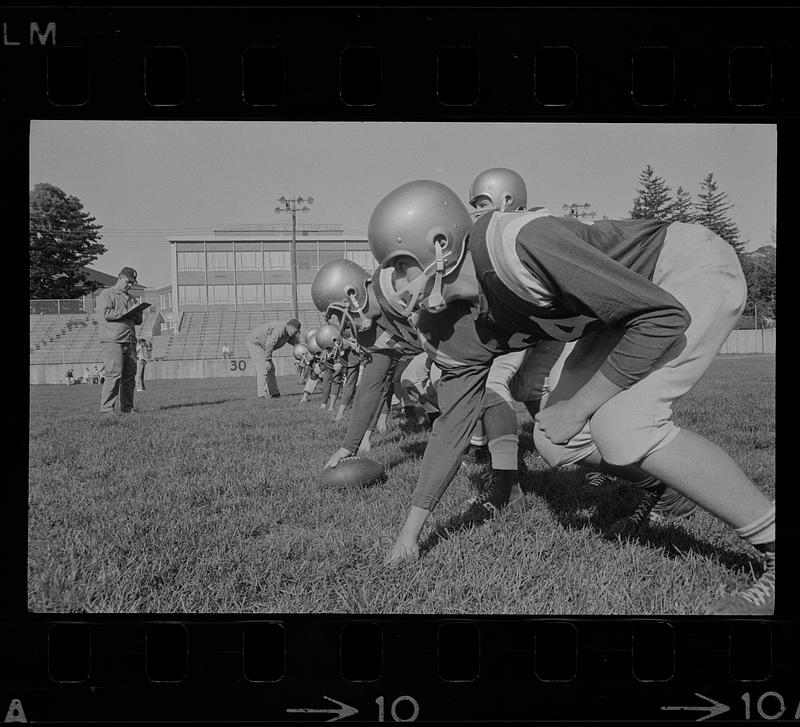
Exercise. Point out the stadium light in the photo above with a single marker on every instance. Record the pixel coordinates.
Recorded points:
(293, 205)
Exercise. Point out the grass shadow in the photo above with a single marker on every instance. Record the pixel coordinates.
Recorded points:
(408, 450)
(569, 503)
(191, 403)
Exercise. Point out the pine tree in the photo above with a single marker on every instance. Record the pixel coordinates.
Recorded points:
(63, 238)
(711, 209)
(652, 200)
(681, 210)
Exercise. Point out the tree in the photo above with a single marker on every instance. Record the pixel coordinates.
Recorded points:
(711, 210)
(63, 238)
(652, 200)
(681, 210)
(760, 272)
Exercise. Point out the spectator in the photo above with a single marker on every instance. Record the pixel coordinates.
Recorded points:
(261, 342)
(95, 375)
(87, 377)
(120, 314)
(226, 352)
(70, 377)
(142, 357)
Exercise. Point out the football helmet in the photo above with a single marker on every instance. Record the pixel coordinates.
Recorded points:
(328, 338)
(425, 222)
(300, 350)
(340, 289)
(311, 342)
(503, 188)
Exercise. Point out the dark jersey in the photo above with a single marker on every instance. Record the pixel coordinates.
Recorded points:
(462, 348)
(548, 278)
(558, 278)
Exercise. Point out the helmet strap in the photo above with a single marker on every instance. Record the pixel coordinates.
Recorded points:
(435, 302)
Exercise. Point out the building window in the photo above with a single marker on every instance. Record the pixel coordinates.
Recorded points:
(247, 260)
(304, 292)
(190, 261)
(249, 294)
(307, 260)
(220, 260)
(279, 293)
(276, 260)
(364, 258)
(327, 254)
(219, 294)
(192, 294)
(165, 300)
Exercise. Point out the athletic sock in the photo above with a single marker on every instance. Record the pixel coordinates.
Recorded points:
(503, 451)
(760, 532)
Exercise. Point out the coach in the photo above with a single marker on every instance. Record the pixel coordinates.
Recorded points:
(120, 316)
(261, 342)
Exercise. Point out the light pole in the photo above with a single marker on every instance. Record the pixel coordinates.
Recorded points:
(293, 205)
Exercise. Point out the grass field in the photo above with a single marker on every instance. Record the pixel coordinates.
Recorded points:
(206, 501)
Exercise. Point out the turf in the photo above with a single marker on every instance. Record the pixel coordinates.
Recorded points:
(207, 501)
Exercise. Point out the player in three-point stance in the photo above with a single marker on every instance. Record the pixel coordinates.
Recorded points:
(503, 190)
(394, 337)
(648, 302)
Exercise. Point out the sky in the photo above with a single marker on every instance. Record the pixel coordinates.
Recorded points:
(146, 181)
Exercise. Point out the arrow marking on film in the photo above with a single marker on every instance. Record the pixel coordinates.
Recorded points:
(344, 710)
(715, 709)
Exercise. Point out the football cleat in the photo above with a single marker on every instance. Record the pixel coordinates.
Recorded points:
(672, 504)
(598, 479)
(757, 600)
(500, 491)
(630, 524)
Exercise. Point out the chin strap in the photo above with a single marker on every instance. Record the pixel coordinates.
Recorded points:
(435, 302)
(406, 299)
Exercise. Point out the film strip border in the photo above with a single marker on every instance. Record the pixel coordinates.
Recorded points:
(400, 670)
(413, 63)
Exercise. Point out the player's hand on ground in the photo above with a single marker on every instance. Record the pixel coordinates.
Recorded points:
(401, 552)
(338, 455)
(560, 422)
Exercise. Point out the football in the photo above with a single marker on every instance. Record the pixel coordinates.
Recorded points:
(352, 472)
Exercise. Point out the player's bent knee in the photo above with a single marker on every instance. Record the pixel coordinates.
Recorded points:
(627, 440)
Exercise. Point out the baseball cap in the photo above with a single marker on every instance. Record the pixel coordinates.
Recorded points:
(129, 273)
(294, 322)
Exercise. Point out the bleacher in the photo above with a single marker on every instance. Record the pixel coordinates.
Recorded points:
(75, 338)
(203, 333)
(71, 338)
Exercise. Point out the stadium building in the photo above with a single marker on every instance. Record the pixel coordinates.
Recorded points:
(247, 267)
(223, 284)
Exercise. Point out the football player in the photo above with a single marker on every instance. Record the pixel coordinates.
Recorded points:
(362, 303)
(345, 354)
(649, 303)
(315, 365)
(504, 190)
